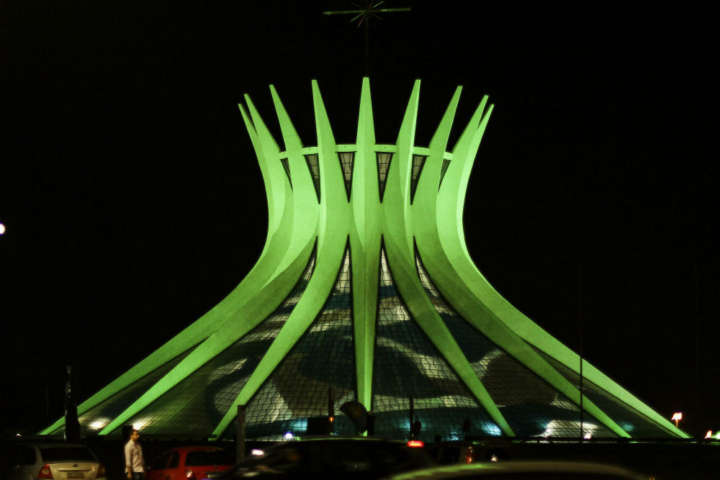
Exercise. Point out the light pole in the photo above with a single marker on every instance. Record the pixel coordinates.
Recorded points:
(676, 417)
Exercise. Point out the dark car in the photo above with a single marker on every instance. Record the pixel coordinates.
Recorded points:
(524, 470)
(341, 456)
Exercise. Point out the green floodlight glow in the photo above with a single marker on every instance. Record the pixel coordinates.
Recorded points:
(379, 227)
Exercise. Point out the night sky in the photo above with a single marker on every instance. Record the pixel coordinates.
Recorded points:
(133, 201)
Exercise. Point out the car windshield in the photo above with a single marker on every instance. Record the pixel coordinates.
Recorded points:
(541, 476)
(62, 453)
(208, 457)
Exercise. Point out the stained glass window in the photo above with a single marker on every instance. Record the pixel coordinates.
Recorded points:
(322, 361)
(383, 164)
(629, 419)
(312, 162)
(418, 162)
(195, 406)
(346, 162)
(96, 418)
(530, 405)
(408, 365)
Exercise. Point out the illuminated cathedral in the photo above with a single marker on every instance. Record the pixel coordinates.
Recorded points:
(365, 292)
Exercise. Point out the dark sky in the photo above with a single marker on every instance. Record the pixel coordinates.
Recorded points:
(133, 201)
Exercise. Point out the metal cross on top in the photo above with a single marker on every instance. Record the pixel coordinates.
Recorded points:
(363, 16)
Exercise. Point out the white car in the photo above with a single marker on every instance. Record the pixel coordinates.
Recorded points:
(53, 461)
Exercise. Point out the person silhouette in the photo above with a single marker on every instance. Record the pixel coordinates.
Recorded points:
(134, 461)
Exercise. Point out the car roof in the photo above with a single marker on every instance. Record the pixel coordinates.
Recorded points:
(517, 466)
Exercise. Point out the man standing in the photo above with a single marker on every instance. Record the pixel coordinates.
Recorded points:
(134, 462)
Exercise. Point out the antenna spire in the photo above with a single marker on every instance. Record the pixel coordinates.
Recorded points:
(362, 16)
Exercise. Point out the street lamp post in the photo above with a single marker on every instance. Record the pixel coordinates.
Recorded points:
(676, 417)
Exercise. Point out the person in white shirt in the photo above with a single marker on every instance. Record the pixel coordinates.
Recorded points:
(134, 461)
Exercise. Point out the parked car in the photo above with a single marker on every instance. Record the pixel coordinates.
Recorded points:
(53, 461)
(189, 463)
(524, 470)
(348, 457)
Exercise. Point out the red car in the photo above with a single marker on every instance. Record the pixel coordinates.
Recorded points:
(189, 463)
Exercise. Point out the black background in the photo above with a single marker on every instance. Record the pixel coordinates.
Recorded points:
(133, 201)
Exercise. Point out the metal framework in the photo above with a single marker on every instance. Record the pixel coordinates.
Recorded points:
(376, 217)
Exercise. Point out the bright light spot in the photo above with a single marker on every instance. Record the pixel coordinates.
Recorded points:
(288, 436)
(299, 425)
(677, 416)
(491, 429)
(708, 434)
(2, 229)
(415, 443)
(98, 424)
(493, 458)
(628, 427)
(453, 436)
(256, 452)
(549, 429)
(140, 424)
(559, 427)
(17, 434)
